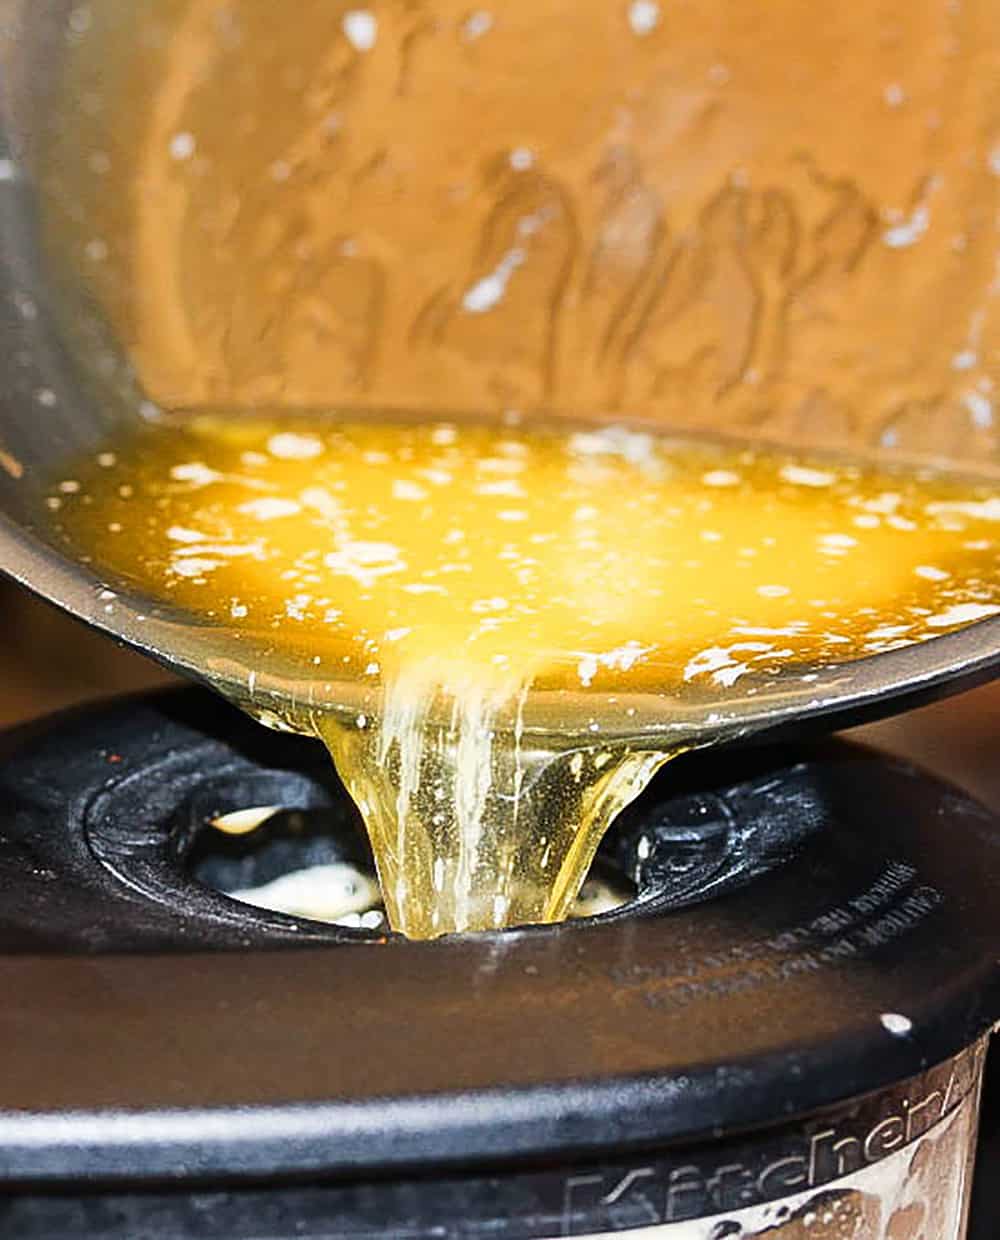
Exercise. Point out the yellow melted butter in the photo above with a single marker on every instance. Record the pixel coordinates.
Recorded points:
(450, 570)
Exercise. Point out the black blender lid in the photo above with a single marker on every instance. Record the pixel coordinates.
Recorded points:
(845, 935)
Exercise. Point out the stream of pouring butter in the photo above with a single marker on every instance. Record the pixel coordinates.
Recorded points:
(417, 583)
(472, 826)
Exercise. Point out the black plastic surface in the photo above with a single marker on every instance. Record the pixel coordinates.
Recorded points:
(503, 1202)
(114, 803)
(848, 887)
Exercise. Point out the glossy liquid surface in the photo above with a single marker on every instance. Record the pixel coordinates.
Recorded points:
(412, 587)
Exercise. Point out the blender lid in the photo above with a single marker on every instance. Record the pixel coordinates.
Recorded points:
(812, 924)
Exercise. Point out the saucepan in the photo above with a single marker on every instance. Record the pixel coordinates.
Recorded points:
(776, 224)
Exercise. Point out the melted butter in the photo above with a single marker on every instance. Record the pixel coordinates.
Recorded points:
(425, 580)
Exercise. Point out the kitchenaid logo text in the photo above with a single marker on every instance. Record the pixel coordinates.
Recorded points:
(778, 1166)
